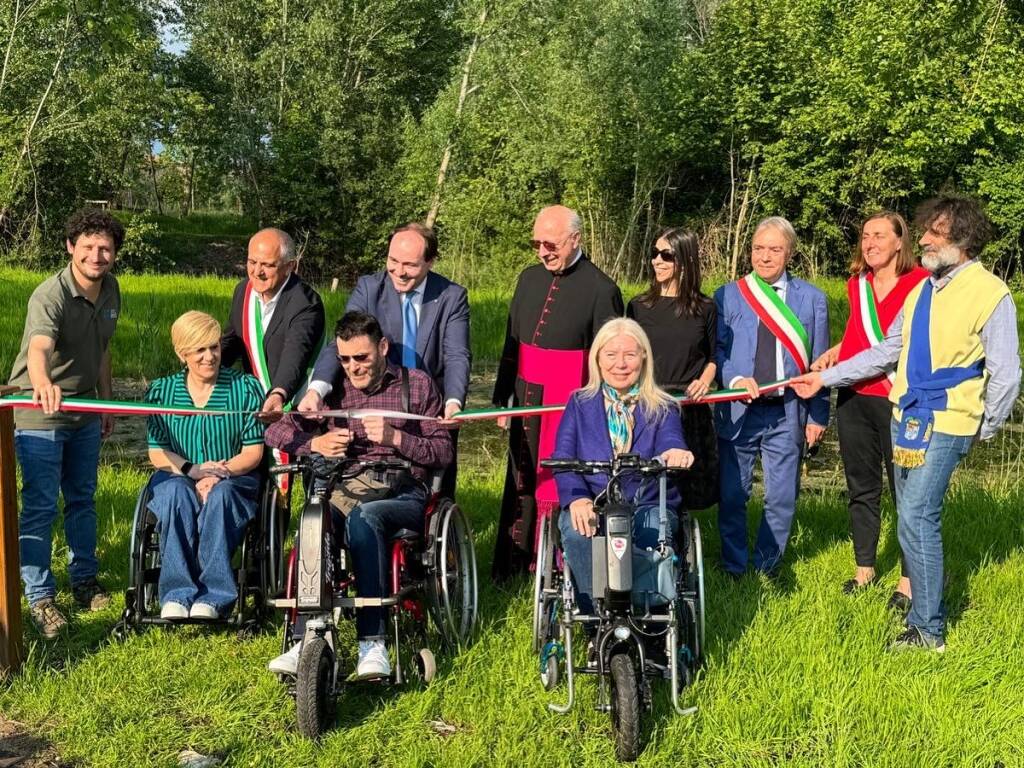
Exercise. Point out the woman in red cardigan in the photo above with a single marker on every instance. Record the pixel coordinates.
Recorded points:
(882, 273)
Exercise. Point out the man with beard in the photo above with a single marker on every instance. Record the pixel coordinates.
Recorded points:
(556, 311)
(957, 378)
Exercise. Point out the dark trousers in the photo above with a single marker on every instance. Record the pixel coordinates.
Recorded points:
(866, 446)
(449, 477)
(767, 434)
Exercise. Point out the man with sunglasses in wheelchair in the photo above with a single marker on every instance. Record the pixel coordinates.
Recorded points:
(373, 512)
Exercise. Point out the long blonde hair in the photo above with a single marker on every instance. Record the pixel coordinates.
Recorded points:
(655, 401)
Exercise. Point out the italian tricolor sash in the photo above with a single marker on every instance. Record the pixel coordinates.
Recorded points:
(867, 315)
(778, 318)
(252, 337)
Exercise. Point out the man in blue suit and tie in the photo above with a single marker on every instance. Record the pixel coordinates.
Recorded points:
(770, 327)
(425, 317)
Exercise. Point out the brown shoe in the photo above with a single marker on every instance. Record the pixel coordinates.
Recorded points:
(90, 595)
(48, 618)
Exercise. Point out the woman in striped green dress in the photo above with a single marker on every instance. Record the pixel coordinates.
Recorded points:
(207, 482)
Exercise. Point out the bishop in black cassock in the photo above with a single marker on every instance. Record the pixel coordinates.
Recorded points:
(556, 311)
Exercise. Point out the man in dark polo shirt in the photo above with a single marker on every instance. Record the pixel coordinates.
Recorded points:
(65, 353)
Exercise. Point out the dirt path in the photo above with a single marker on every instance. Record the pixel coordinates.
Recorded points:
(19, 749)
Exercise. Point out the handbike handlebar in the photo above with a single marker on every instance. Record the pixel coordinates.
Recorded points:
(344, 466)
(627, 462)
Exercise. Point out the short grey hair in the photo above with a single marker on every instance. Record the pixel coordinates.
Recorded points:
(782, 225)
(287, 246)
(575, 223)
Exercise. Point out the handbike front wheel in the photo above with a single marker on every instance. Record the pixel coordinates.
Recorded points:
(314, 688)
(625, 707)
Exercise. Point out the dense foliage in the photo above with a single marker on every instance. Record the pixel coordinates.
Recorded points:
(337, 120)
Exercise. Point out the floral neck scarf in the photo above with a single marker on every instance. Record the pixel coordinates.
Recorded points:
(619, 413)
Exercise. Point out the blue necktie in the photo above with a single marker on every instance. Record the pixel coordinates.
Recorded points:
(409, 333)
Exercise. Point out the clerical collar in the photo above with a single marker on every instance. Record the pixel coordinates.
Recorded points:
(576, 257)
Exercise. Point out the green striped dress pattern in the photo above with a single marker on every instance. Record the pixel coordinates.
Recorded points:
(207, 438)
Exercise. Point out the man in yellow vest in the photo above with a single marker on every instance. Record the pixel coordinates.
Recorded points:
(957, 376)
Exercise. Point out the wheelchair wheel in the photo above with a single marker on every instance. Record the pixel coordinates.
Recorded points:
(697, 565)
(144, 570)
(625, 707)
(550, 673)
(314, 688)
(452, 582)
(425, 665)
(543, 578)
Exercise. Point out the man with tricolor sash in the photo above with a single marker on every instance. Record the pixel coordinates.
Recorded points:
(276, 326)
(771, 325)
(957, 376)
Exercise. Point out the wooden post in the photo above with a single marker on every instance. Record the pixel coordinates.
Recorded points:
(10, 572)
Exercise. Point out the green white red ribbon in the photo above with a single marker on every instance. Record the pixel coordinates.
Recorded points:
(778, 318)
(868, 316)
(124, 408)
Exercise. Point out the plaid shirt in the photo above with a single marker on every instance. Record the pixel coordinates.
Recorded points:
(427, 444)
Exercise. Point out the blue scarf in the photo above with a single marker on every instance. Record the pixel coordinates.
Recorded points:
(927, 390)
(619, 413)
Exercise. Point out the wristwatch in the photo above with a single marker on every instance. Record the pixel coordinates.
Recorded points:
(186, 468)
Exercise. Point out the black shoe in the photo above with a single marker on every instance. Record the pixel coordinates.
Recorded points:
(899, 603)
(913, 637)
(850, 586)
(90, 595)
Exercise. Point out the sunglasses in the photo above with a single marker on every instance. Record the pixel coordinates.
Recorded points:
(346, 359)
(663, 255)
(547, 245)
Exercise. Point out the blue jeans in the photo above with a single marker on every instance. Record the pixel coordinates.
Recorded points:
(197, 540)
(368, 530)
(578, 548)
(919, 495)
(766, 432)
(55, 461)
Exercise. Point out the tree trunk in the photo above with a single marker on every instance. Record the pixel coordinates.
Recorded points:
(464, 91)
(156, 188)
(284, 61)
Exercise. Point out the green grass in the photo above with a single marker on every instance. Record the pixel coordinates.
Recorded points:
(797, 674)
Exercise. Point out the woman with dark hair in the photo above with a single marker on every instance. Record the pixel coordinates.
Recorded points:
(680, 322)
(882, 273)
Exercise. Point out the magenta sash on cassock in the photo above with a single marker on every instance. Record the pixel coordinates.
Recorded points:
(559, 371)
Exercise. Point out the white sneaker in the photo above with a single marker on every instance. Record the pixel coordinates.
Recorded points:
(373, 659)
(203, 611)
(173, 611)
(288, 662)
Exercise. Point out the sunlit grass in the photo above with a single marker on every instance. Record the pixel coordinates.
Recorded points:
(796, 674)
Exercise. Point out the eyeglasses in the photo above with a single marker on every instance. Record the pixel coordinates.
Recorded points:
(663, 255)
(346, 359)
(547, 245)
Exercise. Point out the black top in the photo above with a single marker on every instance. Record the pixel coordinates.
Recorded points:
(682, 346)
(555, 311)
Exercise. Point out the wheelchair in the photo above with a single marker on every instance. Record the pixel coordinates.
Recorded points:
(635, 611)
(258, 563)
(432, 572)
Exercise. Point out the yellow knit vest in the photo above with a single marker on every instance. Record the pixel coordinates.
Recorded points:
(959, 311)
